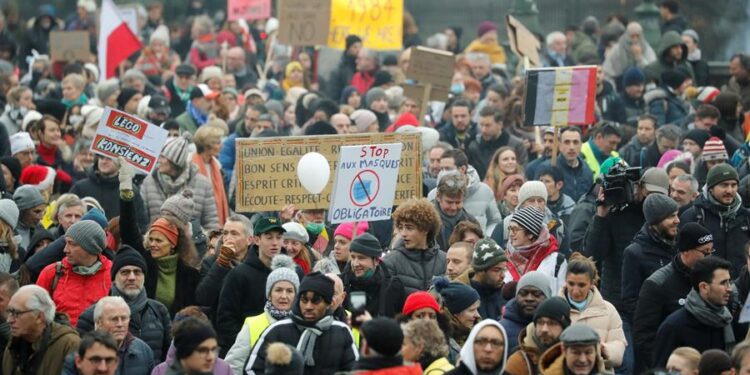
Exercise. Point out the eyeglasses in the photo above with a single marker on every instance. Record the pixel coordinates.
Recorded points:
(16, 313)
(705, 253)
(493, 343)
(108, 361)
(513, 229)
(204, 351)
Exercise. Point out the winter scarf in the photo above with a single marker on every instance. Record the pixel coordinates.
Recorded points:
(137, 303)
(87, 271)
(726, 213)
(166, 279)
(276, 313)
(217, 182)
(659, 238)
(695, 55)
(199, 117)
(310, 333)
(460, 332)
(580, 306)
(711, 315)
(83, 99)
(172, 186)
(528, 258)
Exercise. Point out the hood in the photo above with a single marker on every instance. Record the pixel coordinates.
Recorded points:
(467, 351)
(667, 41)
(60, 331)
(252, 259)
(525, 340)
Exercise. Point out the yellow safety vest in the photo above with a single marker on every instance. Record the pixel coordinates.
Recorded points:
(588, 156)
(256, 325)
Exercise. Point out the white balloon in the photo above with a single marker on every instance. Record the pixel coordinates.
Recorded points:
(313, 172)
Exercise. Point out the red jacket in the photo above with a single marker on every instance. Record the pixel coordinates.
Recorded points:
(74, 293)
(362, 81)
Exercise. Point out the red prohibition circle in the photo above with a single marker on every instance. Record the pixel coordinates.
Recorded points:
(358, 180)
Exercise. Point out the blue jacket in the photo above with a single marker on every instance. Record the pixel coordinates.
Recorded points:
(577, 180)
(227, 156)
(667, 107)
(135, 356)
(514, 323)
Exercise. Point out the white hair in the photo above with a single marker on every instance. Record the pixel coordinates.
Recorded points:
(478, 57)
(39, 300)
(108, 301)
(554, 36)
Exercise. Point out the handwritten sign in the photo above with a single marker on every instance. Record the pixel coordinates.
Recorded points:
(380, 23)
(122, 135)
(434, 67)
(365, 184)
(248, 9)
(69, 45)
(267, 169)
(304, 22)
(522, 41)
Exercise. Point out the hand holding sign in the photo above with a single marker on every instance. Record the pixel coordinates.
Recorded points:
(313, 172)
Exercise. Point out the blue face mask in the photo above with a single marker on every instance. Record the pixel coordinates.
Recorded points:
(457, 88)
(315, 228)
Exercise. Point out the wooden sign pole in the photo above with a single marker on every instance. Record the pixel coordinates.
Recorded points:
(425, 102)
(555, 146)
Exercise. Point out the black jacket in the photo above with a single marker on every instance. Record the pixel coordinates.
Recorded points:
(385, 293)
(663, 293)
(480, 152)
(448, 134)
(580, 219)
(342, 76)
(729, 237)
(492, 301)
(415, 268)
(644, 256)
(334, 349)
(449, 223)
(681, 328)
(212, 279)
(243, 295)
(106, 190)
(606, 240)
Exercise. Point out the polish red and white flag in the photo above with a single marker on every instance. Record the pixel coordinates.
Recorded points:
(116, 41)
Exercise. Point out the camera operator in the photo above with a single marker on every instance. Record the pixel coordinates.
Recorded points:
(613, 229)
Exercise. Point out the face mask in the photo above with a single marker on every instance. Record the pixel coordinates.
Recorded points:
(368, 274)
(23, 111)
(75, 119)
(457, 88)
(315, 228)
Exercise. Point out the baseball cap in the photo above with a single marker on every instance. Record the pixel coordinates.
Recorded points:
(656, 180)
(159, 103)
(267, 224)
(202, 91)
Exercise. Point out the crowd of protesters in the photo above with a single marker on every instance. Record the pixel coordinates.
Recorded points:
(515, 257)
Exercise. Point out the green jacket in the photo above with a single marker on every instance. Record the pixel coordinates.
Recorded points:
(654, 70)
(187, 123)
(61, 341)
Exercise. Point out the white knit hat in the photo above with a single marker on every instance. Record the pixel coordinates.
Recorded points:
(532, 189)
(28, 118)
(160, 33)
(20, 141)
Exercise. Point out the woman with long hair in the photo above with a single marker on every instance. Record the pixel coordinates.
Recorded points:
(503, 164)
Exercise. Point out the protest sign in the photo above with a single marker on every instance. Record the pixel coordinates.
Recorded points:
(380, 23)
(135, 140)
(267, 169)
(560, 96)
(304, 22)
(522, 41)
(432, 67)
(248, 9)
(69, 45)
(365, 183)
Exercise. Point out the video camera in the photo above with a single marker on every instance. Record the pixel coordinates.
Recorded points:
(618, 185)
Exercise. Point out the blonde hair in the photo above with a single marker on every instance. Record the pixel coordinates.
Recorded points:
(426, 333)
(690, 355)
(76, 79)
(207, 136)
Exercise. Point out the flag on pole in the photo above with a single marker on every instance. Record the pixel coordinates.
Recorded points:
(116, 41)
(560, 96)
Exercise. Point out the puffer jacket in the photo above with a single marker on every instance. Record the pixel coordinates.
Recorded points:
(154, 195)
(73, 292)
(479, 202)
(62, 340)
(415, 268)
(149, 321)
(525, 360)
(668, 40)
(514, 322)
(601, 316)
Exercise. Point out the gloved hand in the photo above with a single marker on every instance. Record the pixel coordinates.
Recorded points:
(226, 255)
(125, 175)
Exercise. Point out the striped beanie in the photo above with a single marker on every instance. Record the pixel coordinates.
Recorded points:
(530, 219)
(714, 150)
(177, 150)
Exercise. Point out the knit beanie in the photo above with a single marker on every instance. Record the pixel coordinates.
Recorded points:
(658, 207)
(283, 270)
(538, 280)
(555, 308)
(714, 149)
(210, 72)
(28, 118)
(350, 40)
(20, 141)
(125, 94)
(177, 150)
(720, 173)
(89, 235)
(485, 27)
(698, 136)
(347, 229)
(319, 284)
(363, 118)
(320, 128)
(295, 231)
(692, 34)
(714, 362)
(127, 256)
(674, 78)
(367, 245)
(419, 300)
(382, 77)
(383, 335)
(529, 218)
(693, 235)
(161, 33)
(180, 206)
(457, 297)
(97, 216)
(14, 166)
(27, 196)
(487, 253)
(38, 175)
(283, 359)
(186, 340)
(508, 182)
(633, 76)
(373, 95)
(9, 212)
(531, 189)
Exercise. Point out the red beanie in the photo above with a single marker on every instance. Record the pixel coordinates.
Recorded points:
(406, 118)
(419, 300)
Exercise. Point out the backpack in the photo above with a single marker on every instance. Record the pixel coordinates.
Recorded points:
(59, 272)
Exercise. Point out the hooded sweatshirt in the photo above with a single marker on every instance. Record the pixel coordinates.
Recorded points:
(467, 351)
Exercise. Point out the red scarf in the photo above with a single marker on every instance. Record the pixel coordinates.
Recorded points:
(532, 263)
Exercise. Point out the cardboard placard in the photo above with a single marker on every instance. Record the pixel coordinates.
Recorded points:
(135, 140)
(267, 169)
(365, 183)
(522, 41)
(248, 9)
(304, 22)
(380, 23)
(434, 67)
(69, 45)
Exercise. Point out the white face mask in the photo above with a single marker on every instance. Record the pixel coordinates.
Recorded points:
(75, 120)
